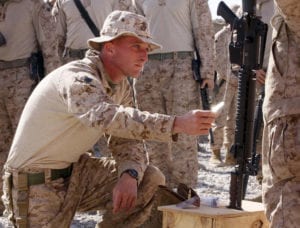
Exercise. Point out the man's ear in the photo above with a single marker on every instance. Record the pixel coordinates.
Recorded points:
(109, 48)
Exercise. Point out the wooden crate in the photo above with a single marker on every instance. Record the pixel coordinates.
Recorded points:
(252, 216)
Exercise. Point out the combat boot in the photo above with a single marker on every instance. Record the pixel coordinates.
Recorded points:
(215, 158)
(229, 159)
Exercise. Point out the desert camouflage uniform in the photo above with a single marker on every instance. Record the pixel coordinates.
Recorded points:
(281, 152)
(167, 85)
(265, 10)
(223, 129)
(20, 27)
(80, 104)
(72, 30)
(225, 90)
(48, 26)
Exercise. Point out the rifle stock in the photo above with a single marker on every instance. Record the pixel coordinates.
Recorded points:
(224, 11)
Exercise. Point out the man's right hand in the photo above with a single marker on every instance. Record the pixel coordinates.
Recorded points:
(195, 122)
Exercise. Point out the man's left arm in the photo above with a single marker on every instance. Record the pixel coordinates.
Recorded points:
(290, 10)
(132, 160)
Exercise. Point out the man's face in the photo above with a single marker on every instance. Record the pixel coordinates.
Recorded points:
(130, 55)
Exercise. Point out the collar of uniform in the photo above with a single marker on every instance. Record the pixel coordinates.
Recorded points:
(109, 86)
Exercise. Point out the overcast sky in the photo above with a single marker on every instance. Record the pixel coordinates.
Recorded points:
(213, 5)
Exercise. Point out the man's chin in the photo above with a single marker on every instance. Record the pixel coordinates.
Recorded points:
(136, 75)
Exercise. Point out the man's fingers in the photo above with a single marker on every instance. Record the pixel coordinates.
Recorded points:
(123, 202)
(130, 203)
(117, 200)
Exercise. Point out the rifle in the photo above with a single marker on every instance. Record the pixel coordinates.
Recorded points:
(246, 50)
(196, 63)
(258, 121)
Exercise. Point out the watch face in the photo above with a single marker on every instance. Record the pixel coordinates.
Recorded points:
(133, 173)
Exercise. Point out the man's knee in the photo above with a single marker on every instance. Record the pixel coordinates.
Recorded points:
(154, 176)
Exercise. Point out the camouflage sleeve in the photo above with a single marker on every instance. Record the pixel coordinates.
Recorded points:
(85, 98)
(48, 45)
(128, 153)
(43, 26)
(60, 19)
(290, 10)
(87, 101)
(203, 35)
(221, 53)
(36, 7)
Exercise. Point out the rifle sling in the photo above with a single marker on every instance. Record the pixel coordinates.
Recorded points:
(84, 14)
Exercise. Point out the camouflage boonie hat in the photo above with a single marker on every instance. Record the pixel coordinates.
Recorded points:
(124, 23)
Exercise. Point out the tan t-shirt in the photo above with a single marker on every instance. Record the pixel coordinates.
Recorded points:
(177, 24)
(73, 27)
(19, 24)
(72, 108)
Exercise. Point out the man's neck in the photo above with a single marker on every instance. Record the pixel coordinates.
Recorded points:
(115, 76)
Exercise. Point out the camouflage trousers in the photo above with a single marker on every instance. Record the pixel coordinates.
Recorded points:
(16, 87)
(223, 129)
(167, 86)
(89, 188)
(281, 172)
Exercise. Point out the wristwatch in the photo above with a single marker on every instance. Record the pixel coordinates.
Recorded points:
(133, 173)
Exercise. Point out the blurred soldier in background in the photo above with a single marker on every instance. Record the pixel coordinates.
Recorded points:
(281, 109)
(50, 53)
(167, 84)
(225, 123)
(225, 90)
(20, 65)
(265, 10)
(73, 31)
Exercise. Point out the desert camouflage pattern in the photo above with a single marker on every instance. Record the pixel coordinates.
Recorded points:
(281, 158)
(119, 23)
(223, 129)
(283, 94)
(89, 188)
(16, 87)
(72, 30)
(26, 36)
(281, 182)
(48, 26)
(181, 26)
(82, 100)
(168, 87)
(16, 84)
(265, 10)
(20, 27)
